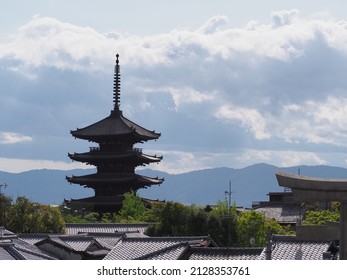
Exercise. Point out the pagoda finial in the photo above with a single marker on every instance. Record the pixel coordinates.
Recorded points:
(116, 85)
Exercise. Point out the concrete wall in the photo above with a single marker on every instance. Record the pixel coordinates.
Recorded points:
(329, 232)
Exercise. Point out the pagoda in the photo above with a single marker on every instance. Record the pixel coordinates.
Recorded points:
(115, 157)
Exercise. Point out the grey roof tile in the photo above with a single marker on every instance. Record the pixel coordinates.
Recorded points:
(16, 249)
(288, 248)
(136, 248)
(208, 253)
(110, 239)
(77, 243)
(105, 228)
(169, 253)
(281, 213)
(4, 254)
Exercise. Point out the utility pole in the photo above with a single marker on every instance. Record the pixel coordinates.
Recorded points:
(2, 199)
(228, 193)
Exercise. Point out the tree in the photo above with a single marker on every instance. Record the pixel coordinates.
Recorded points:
(175, 219)
(133, 208)
(196, 220)
(172, 219)
(221, 208)
(29, 217)
(252, 229)
(251, 226)
(321, 217)
(5, 204)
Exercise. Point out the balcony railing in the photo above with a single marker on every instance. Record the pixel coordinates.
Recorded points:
(97, 149)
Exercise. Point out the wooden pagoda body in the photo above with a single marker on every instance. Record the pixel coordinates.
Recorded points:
(115, 157)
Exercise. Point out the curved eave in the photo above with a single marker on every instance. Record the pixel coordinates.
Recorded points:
(309, 183)
(109, 138)
(93, 157)
(101, 200)
(114, 179)
(114, 126)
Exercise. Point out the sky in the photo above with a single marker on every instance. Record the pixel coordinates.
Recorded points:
(226, 83)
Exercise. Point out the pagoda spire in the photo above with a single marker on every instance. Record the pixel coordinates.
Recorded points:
(116, 85)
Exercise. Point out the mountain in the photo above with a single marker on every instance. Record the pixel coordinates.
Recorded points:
(43, 185)
(249, 184)
(200, 187)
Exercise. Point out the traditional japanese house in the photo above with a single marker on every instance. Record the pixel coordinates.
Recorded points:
(115, 156)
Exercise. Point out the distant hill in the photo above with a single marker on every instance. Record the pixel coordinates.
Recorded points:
(249, 184)
(200, 187)
(44, 185)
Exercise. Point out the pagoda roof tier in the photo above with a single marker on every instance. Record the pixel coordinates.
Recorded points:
(98, 156)
(115, 127)
(118, 180)
(114, 201)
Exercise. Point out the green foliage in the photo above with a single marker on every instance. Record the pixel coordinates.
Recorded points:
(321, 217)
(74, 219)
(25, 216)
(175, 219)
(251, 225)
(133, 208)
(221, 208)
(172, 218)
(223, 224)
(5, 204)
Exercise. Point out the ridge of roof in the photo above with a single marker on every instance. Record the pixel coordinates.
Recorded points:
(14, 252)
(114, 125)
(184, 245)
(167, 238)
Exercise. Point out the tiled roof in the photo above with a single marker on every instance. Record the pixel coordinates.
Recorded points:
(4, 253)
(109, 238)
(16, 249)
(77, 243)
(213, 253)
(115, 125)
(138, 248)
(281, 213)
(105, 228)
(115, 178)
(32, 238)
(288, 248)
(174, 252)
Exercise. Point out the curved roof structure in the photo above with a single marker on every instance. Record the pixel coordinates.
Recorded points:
(113, 127)
(93, 180)
(115, 157)
(133, 155)
(313, 189)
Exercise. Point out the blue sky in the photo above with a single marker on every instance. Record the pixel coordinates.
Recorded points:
(226, 83)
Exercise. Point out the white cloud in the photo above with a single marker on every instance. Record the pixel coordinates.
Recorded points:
(13, 138)
(14, 165)
(314, 121)
(285, 17)
(280, 158)
(283, 83)
(176, 162)
(50, 42)
(213, 24)
(249, 118)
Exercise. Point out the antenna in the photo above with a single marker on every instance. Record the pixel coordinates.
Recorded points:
(228, 193)
(116, 84)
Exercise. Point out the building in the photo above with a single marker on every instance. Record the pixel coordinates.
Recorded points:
(115, 157)
(281, 208)
(14, 248)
